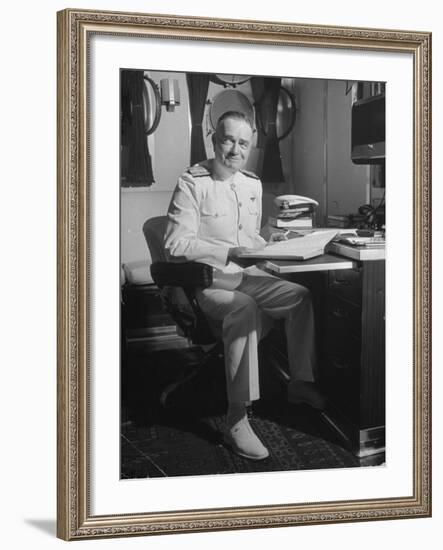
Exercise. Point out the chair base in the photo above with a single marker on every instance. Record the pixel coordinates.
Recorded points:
(194, 371)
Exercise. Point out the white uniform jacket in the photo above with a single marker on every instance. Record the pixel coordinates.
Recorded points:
(206, 217)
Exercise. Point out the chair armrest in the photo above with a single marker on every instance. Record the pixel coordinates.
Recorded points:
(183, 274)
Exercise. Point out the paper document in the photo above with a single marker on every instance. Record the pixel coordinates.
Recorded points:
(304, 247)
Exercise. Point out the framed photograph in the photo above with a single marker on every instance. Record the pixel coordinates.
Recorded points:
(215, 175)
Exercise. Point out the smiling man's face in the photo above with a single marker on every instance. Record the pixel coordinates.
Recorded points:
(232, 145)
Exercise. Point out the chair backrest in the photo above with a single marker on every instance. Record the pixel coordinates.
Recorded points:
(181, 303)
(154, 231)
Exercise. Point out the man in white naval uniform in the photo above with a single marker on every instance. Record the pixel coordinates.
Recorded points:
(214, 217)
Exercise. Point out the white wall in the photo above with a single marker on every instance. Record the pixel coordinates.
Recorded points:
(28, 277)
(347, 183)
(171, 140)
(169, 147)
(310, 137)
(137, 206)
(322, 146)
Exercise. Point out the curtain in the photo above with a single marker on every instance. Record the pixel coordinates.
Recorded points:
(198, 85)
(267, 112)
(136, 163)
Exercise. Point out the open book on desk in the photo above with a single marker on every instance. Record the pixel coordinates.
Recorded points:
(302, 247)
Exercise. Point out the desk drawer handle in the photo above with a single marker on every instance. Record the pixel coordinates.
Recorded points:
(344, 282)
(340, 314)
(340, 364)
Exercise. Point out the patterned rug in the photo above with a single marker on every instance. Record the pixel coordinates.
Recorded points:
(195, 447)
(186, 438)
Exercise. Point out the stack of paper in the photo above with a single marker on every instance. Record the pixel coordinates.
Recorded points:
(303, 247)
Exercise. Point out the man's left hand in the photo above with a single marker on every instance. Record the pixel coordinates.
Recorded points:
(279, 236)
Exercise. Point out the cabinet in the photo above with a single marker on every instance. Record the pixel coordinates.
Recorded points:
(145, 323)
(352, 366)
(151, 351)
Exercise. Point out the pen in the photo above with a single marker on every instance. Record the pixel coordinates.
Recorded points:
(296, 233)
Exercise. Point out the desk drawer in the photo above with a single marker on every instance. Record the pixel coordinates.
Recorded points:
(343, 318)
(344, 360)
(343, 351)
(340, 379)
(346, 283)
(143, 307)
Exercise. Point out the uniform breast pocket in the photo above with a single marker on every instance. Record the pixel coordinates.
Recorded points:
(212, 220)
(216, 212)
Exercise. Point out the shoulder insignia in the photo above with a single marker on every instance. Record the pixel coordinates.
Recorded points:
(250, 174)
(198, 170)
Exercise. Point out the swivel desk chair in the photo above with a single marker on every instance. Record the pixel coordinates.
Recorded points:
(178, 283)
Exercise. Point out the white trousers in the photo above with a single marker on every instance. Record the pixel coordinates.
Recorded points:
(243, 314)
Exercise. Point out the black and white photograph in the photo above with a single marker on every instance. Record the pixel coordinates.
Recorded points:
(252, 258)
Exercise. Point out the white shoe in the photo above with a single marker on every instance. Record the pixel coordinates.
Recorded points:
(243, 441)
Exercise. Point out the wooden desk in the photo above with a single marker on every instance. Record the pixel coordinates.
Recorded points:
(349, 298)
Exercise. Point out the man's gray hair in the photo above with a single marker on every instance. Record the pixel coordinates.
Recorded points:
(236, 115)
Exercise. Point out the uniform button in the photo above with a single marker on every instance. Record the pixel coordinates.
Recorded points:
(240, 204)
(216, 214)
(240, 226)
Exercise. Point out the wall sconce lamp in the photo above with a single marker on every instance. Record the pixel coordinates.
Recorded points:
(154, 97)
(170, 93)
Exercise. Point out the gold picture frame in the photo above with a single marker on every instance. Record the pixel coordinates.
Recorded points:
(75, 29)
